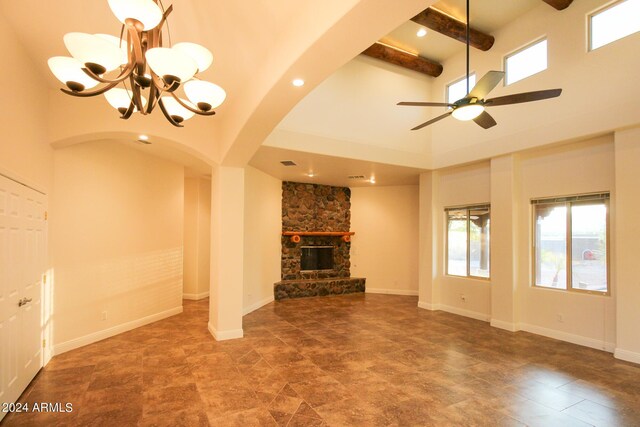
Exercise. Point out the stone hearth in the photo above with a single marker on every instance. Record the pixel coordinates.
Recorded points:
(313, 207)
(321, 287)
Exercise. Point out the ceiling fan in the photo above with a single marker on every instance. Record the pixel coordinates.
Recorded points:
(472, 106)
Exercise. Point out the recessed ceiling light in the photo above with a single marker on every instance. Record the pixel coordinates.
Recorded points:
(311, 174)
(143, 137)
(298, 82)
(372, 180)
(421, 32)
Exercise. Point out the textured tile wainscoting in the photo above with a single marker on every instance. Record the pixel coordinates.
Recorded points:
(314, 288)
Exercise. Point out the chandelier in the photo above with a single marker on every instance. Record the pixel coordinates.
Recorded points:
(150, 73)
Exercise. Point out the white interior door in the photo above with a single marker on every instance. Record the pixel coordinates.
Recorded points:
(22, 267)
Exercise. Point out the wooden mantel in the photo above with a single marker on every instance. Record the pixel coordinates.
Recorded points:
(295, 235)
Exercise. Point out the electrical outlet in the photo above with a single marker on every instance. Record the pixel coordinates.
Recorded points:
(103, 316)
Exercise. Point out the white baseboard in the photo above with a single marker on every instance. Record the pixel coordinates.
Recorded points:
(195, 297)
(507, 326)
(463, 312)
(629, 356)
(572, 338)
(454, 310)
(391, 291)
(257, 305)
(428, 306)
(225, 335)
(115, 330)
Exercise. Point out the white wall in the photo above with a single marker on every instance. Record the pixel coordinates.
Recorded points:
(625, 244)
(466, 185)
(263, 228)
(24, 150)
(384, 249)
(197, 238)
(508, 299)
(584, 167)
(117, 227)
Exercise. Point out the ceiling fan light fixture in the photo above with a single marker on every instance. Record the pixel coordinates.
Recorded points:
(467, 112)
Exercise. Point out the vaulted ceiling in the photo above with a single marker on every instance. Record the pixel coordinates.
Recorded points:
(347, 108)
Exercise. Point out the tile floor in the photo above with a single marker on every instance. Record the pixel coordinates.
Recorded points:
(362, 360)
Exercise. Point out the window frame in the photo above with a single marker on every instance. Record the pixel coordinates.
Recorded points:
(568, 202)
(466, 208)
(596, 12)
(519, 50)
(453, 82)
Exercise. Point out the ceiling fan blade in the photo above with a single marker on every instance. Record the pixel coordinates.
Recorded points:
(433, 120)
(518, 98)
(486, 84)
(485, 120)
(426, 104)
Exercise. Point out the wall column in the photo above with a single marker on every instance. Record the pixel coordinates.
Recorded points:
(505, 187)
(227, 252)
(626, 217)
(429, 295)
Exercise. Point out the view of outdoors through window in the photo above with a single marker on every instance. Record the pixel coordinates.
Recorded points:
(457, 243)
(468, 242)
(551, 246)
(589, 247)
(588, 244)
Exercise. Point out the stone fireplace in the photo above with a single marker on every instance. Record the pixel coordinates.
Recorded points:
(309, 209)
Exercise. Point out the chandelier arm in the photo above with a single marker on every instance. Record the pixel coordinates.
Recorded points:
(167, 116)
(88, 94)
(129, 111)
(126, 73)
(158, 27)
(136, 98)
(162, 86)
(153, 97)
(200, 112)
(134, 37)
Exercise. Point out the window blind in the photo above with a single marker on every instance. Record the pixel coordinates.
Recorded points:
(574, 198)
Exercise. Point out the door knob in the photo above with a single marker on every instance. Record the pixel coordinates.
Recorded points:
(24, 301)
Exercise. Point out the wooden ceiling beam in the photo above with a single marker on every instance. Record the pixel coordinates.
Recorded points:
(559, 4)
(444, 24)
(404, 59)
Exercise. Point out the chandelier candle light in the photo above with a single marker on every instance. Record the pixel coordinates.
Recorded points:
(141, 60)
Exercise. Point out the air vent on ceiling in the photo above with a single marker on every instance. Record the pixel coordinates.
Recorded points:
(357, 177)
(288, 163)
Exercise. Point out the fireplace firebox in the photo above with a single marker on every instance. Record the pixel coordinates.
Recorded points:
(314, 258)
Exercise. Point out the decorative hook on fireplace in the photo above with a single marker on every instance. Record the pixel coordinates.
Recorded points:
(295, 235)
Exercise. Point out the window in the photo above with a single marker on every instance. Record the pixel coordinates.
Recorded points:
(468, 241)
(614, 22)
(526, 62)
(570, 243)
(458, 89)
